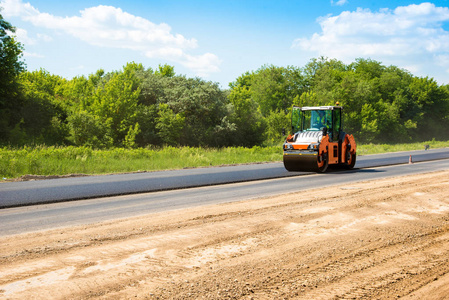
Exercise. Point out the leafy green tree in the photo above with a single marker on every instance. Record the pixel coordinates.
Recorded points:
(274, 88)
(147, 117)
(103, 108)
(136, 107)
(277, 122)
(430, 104)
(368, 124)
(170, 125)
(78, 93)
(307, 98)
(261, 99)
(130, 138)
(115, 103)
(389, 124)
(152, 87)
(10, 68)
(202, 103)
(88, 130)
(367, 68)
(165, 71)
(323, 71)
(223, 133)
(119, 101)
(43, 115)
(246, 115)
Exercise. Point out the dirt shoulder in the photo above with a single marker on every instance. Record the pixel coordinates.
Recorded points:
(375, 240)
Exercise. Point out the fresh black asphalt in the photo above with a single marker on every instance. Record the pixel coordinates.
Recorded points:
(13, 194)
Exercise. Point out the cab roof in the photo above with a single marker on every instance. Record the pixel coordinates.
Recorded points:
(319, 107)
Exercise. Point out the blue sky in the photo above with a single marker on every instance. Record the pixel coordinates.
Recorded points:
(220, 40)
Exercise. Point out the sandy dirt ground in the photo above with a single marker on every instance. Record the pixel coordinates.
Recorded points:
(381, 239)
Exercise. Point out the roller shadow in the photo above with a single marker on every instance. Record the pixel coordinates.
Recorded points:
(355, 170)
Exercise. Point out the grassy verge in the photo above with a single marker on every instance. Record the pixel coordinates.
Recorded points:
(69, 160)
(44, 160)
(367, 149)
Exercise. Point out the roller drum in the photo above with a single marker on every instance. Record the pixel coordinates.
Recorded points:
(301, 162)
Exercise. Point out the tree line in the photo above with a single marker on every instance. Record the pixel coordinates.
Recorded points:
(138, 106)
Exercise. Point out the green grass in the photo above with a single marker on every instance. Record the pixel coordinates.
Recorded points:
(367, 149)
(74, 160)
(43, 160)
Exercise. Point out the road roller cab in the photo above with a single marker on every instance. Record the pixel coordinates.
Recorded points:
(317, 140)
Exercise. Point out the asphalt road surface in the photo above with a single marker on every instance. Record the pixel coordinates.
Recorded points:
(38, 217)
(15, 194)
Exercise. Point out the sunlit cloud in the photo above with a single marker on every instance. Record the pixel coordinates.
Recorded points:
(32, 54)
(111, 27)
(23, 37)
(339, 2)
(411, 36)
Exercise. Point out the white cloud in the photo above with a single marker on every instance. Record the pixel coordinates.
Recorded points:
(411, 36)
(22, 37)
(111, 27)
(339, 2)
(202, 63)
(31, 54)
(44, 37)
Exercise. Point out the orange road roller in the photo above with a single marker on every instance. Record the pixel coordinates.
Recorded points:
(318, 140)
